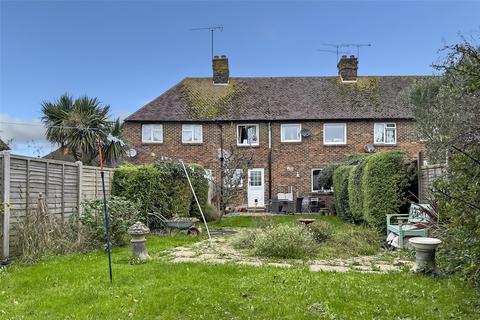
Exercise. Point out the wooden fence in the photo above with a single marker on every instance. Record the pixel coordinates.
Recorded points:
(64, 186)
(426, 175)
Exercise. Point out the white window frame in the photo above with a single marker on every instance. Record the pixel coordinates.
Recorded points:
(311, 178)
(258, 135)
(325, 125)
(282, 126)
(184, 129)
(154, 127)
(384, 133)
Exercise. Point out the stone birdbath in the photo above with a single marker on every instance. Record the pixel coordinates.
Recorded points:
(306, 221)
(138, 231)
(425, 253)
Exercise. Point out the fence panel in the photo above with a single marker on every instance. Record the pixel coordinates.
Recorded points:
(63, 184)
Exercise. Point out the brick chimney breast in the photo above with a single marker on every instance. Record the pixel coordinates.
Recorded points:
(348, 68)
(221, 72)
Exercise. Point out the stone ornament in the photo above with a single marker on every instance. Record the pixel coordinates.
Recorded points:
(138, 231)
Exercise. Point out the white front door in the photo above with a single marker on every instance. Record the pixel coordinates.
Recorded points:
(256, 188)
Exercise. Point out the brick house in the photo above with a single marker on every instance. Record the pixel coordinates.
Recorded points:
(294, 126)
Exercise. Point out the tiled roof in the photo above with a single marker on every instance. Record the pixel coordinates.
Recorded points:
(280, 98)
(3, 146)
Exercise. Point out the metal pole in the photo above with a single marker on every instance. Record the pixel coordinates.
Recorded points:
(196, 199)
(212, 41)
(105, 209)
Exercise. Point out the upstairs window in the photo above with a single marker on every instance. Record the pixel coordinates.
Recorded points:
(247, 135)
(152, 133)
(192, 133)
(385, 133)
(335, 133)
(291, 132)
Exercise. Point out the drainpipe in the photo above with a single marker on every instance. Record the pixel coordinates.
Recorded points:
(222, 209)
(269, 163)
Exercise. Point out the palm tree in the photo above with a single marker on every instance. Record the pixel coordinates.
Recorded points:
(80, 125)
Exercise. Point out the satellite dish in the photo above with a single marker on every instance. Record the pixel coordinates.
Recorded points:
(370, 148)
(131, 153)
(305, 133)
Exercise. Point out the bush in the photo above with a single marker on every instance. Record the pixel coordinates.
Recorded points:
(458, 198)
(211, 213)
(384, 183)
(285, 241)
(358, 241)
(245, 239)
(355, 191)
(321, 230)
(162, 187)
(340, 190)
(122, 214)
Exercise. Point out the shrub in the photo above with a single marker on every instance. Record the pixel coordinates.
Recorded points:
(245, 239)
(355, 191)
(358, 241)
(321, 230)
(122, 214)
(285, 241)
(384, 183)
(211, 213)
(162, 187)
(458, 198)
(340, 190)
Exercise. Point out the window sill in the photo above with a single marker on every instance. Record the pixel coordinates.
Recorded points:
(146, 143)
(192, 143)
(248, 145)
(385, 144)
(335, 144)
(291, 142)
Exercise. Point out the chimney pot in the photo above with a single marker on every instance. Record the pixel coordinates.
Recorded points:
(348, 68)
(221, 71)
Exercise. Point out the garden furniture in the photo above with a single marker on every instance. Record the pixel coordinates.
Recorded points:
(409, 225)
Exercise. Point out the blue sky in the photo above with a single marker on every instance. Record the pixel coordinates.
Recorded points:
(128, 52)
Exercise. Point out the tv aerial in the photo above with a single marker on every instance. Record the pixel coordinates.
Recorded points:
(338, 46)
(212, 30)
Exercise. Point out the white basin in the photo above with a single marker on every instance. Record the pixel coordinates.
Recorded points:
(425, 243)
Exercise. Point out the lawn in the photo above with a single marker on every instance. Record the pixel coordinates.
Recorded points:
(76, 287)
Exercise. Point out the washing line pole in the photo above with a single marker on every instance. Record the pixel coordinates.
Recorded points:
(105, 208)
(196, 199)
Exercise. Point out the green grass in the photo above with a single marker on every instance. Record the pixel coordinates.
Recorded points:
(76, 287)
(261, 221)
(348, 240)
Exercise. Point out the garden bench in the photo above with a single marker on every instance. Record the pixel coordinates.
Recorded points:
(409, 225)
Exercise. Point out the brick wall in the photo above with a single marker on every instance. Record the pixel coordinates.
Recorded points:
(288, 159)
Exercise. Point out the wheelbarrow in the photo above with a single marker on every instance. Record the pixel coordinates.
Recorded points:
(177, 224)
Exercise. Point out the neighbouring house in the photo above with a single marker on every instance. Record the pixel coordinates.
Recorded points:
(293, 126)
(3, 146)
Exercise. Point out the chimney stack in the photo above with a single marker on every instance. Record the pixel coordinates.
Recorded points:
(347, 68)
(220, 70)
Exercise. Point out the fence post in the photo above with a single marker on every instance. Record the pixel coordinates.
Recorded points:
(6, 204)
(419, 177)
(80, 185)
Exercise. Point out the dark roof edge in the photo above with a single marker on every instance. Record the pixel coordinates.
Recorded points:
(272, 120)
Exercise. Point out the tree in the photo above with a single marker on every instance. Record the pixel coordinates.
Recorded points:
(447, 110)
(447, 107)
(80, 125)
(234, 174)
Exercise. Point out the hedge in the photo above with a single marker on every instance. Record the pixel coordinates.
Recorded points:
(384, 182)
(340, 188)
(162, 187)
(355, 191)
